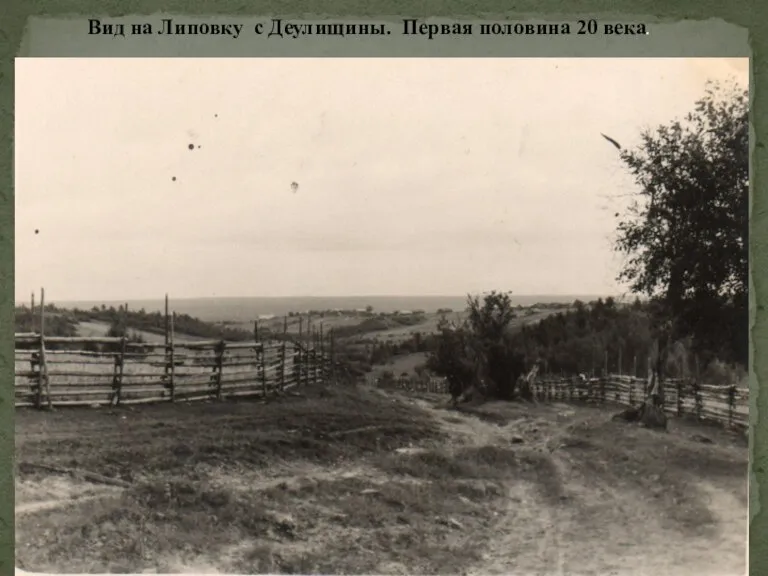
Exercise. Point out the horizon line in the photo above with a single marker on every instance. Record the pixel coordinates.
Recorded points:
(336, 296)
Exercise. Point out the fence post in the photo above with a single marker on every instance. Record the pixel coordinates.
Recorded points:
(697, 398)
(171, 352)
(262, 355)
(263, 369)
(43, 361)
(731, 403)
(296, 347)
(167, 341)
(300, 356)
(679, 397)
(332, 355)
(282, 353)
(308, 363)
(40, 374)
(314, 357)
(41, 351)
(602, 387)
(32, 314)
(621, 367)
(323, 364)
(117, 380)
(34, 366)
(220, 366)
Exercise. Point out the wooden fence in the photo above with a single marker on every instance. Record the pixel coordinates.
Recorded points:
(432, 384)
(58, 371)
(727, 405)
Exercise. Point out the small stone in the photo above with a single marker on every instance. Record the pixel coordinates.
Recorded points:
(453, 523)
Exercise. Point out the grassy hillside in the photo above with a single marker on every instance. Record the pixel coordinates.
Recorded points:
(357, 481)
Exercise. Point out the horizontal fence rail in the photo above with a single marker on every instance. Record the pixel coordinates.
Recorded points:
(60, 371)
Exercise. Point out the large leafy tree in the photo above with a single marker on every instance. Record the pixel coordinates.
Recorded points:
(685, 235)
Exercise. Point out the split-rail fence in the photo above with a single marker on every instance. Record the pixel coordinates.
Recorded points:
(59, 371)
(727, 405)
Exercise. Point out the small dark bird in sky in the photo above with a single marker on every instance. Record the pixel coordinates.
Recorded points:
(294, 187)
(611, 140)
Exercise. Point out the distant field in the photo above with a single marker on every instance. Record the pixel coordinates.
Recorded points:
(100, 329)
(249, 309)
(399, 364)
(396, 333)
(276, 324)
(429, 326)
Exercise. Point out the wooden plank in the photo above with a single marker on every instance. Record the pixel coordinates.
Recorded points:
(245, 346)
(83, 339)
(26, 335)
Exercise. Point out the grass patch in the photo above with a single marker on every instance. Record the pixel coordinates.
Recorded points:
(323, 425)
(176, 510)
(657, 468)
(339, 526)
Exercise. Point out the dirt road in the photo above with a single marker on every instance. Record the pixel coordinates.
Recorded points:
(599, 522)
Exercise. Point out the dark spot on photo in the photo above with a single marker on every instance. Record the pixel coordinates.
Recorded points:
(191, 146)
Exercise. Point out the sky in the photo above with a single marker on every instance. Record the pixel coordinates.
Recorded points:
(415, 176)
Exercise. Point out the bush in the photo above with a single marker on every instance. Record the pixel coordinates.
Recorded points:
(480, 351)
(452, 358)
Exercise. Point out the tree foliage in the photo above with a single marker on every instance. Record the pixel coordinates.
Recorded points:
(583, 338)
(685, 236)
(479, 351)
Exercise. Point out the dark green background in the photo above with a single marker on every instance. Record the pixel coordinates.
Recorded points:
(680, 28)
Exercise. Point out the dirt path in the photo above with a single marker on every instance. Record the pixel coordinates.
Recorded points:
(525, 538)
(597, 527)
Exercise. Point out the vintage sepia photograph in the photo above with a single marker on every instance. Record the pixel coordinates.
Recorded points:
(382, 316)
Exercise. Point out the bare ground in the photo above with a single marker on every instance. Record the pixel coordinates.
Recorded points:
(362, 481)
